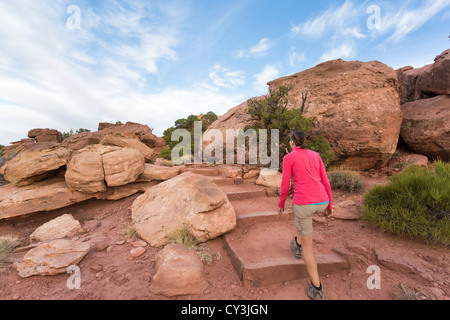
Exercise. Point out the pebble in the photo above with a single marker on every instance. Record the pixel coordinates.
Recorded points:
(136, 252)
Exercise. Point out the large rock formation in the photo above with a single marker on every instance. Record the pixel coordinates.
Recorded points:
(426, 82)
(188, 201)
(425, 98)
(46, 135)
(426, 126)
(34, 165)
(354, 105)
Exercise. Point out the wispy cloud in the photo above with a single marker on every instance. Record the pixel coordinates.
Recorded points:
(406, 20)
(225, 78)
(267, 74)
(258, 50)
(344, 51)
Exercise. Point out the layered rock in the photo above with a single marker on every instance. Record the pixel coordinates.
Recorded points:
(188, 201)
(52, 194)
(34, 165)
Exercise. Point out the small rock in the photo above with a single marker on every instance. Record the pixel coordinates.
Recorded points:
(136, 252)
(139, 243)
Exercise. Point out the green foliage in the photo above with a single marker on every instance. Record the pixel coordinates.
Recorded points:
(1, 150)
(345, 180)
(165, 153)
(71, 132)
(187, 124)
(272, 113)
(415, 204)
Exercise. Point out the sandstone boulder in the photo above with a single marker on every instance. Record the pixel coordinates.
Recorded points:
(179, 272)
(34, 165)
(46, 135)
(122, 167)
(187, 201)
(130, 130)
(426, 82)
(56, 229)
(85, 172)
(426, 127)
(269, 178)
(52, 258)
(355, 106)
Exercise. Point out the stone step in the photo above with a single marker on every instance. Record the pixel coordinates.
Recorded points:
(260, 210)
(245, 194)
(209, 172)
(261, 256)
(224, 181)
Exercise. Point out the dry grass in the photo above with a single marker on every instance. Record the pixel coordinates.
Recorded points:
(7, 246)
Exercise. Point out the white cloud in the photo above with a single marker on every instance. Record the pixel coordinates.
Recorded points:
(223, 77)
(333, 21)
(405, 21)
(295, 58)
(345, 51)
(268, 73)
(260, 49)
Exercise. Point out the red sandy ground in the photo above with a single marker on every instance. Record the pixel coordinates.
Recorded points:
(111, 274)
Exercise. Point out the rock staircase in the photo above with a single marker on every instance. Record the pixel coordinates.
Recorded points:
(259, 246)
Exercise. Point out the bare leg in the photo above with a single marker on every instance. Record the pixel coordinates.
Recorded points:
(310, 260)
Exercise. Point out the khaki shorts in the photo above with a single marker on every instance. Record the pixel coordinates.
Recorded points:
(303, 217)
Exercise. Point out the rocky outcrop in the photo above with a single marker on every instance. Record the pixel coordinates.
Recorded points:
(425, 98)
(46, 135)
(426, 127)
(188, 201)
(179, 272)
(52, 194)
(122, 166)
(34, 165)
(354, 105)
(426, 82)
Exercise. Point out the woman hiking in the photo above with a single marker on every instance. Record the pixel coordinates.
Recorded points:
(312, 195)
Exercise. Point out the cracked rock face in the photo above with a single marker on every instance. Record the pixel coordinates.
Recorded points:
(52, 258)
(187, 201)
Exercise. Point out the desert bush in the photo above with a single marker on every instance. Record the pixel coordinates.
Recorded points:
(184, 237)
(7, 246)
(415, 204)
(1, 150)
(165, 153)
(345, 180)
(71, 132)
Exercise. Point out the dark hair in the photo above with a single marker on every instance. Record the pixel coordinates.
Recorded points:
(299, 138)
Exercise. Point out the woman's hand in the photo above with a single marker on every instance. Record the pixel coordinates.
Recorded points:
(280, 211)
(328, 213)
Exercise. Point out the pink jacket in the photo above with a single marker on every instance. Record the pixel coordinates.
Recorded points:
(310, 178)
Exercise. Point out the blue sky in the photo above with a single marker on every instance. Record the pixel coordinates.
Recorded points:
(69, 64)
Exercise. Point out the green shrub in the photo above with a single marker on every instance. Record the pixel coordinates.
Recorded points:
(1, 150)
(415, 204)
(71, 132)
(345, 180)
(165, 153)
(272, 113)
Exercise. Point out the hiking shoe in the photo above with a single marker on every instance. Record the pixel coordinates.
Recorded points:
(313, 293)
(296, 249)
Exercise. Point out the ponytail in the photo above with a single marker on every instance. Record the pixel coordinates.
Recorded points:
(299, 139)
